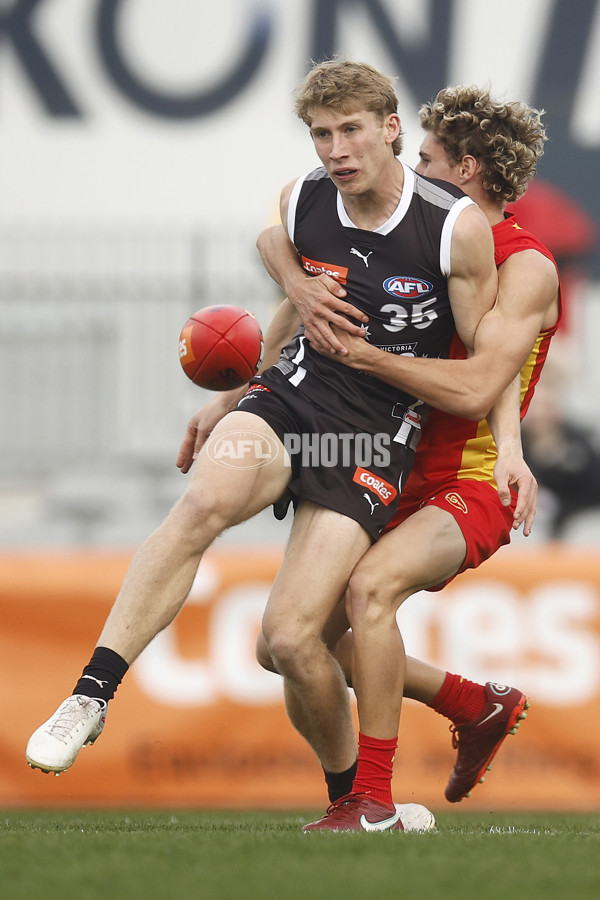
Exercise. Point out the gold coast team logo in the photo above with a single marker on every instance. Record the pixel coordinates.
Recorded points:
(457, 501)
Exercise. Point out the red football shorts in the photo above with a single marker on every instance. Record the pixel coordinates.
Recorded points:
(486, 524)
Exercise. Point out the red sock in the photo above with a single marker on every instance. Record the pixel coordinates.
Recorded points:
(375, 766)
(459, 699)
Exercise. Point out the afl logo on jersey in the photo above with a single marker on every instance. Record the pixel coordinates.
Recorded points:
(408, 288)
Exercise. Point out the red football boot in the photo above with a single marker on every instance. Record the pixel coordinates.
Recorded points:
(479, 741)
(357, 812)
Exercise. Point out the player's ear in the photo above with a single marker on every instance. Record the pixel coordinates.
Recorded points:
(468, 167)
(392, 127)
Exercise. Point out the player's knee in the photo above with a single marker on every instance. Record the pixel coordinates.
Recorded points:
(200, 509)
(289, 649)
(263, 656)
(369, 597)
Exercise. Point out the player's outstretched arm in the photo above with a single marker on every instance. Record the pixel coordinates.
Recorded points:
(527, 303)
(511, 470)
(202, 423)
(319, 299)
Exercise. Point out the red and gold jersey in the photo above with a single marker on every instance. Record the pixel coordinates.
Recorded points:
(455, 448)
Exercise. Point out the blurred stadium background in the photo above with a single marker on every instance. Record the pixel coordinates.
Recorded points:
(143, 147)
(94, 402)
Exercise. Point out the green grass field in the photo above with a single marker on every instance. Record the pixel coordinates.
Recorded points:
(249, 855)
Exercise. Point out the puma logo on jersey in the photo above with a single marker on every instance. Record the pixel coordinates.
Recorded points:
(457, 501)
(364, 258)
(370, 502)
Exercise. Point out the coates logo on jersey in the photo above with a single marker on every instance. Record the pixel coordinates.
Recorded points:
(407, 287)
(314, 267)
(384, 490)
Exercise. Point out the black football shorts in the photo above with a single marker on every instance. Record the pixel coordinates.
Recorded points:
(355, 473)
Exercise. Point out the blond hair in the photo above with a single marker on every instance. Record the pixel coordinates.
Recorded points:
(507, 139)
(347, 86)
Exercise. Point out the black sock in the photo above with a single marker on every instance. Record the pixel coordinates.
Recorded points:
(102, 675)
(340, 783)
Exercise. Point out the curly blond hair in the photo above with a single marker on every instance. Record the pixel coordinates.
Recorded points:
(347, 86)
(507, 139)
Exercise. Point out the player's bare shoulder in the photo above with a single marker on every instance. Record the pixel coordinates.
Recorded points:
(473, 279)
(284, 201)
(472, 239)
(530, 279)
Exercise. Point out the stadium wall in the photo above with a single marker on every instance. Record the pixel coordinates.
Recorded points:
(143, 147)
(198, 724)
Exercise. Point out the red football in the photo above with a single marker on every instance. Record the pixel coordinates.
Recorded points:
(221, 347)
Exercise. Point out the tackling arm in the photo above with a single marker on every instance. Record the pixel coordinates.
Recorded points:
(527, 303)
(511, 470)
(318, 299)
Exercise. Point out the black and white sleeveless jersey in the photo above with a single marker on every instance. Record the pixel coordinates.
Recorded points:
(395, 274)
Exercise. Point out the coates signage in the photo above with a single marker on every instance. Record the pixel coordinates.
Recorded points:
(340, 273)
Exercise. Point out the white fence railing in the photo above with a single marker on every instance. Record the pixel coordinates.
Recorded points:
(91, 391)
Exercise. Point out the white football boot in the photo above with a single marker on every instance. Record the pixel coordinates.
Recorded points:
(54, 746)
(415, 817)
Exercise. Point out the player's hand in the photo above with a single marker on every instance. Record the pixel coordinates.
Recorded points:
(511, 470)
(201, 424)
(354, 345)
(320, 304)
